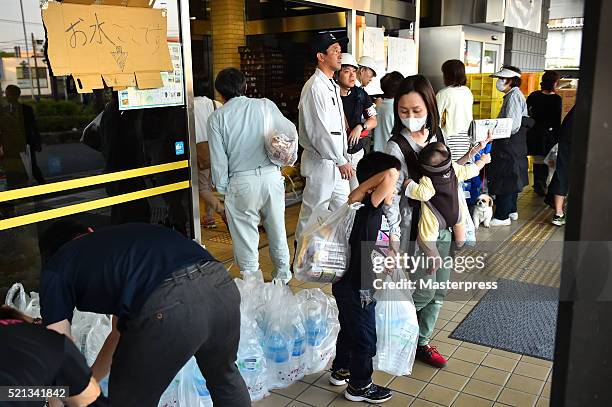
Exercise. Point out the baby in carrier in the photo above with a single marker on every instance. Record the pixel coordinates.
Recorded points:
(437, 191)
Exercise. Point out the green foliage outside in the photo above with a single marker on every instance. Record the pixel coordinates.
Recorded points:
(61, 115)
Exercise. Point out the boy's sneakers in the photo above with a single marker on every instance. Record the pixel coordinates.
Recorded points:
(430, 355)
(372, 394)
(339, 377)
(558, 220)
(513, 216)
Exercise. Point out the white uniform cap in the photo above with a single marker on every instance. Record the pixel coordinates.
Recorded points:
(506, 73)
(348, 59)
(368, 62)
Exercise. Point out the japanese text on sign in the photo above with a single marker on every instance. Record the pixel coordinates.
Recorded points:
(125, 46)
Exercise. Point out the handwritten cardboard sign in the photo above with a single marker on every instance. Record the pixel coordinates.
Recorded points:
(122, 46)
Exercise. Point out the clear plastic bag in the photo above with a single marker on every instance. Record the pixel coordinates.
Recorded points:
(397, 329)
(321, 324)
(191, 389)
(90, 331)
(551, 157)
(323, 251)
(251, 360)
(281, 145)
(279, 337)
(17, 298)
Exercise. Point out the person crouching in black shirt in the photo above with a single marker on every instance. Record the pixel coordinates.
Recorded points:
(170, 300)
(35, 356)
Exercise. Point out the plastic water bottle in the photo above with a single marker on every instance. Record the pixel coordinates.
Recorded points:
(298, 363)
(316, 325)
(299, 339)
(278, 348)
(200, 385)
(252, 365)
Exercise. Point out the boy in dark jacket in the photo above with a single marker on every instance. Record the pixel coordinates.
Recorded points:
(377, 174)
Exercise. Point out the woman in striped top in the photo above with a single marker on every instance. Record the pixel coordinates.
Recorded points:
(455, 106)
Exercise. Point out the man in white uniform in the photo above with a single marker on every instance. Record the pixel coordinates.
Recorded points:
(322, 134)
(202, 109)
(254, 188)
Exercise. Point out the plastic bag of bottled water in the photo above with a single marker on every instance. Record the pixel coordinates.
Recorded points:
(279, 338)
(251, 360)
(397, 329)
(322, 327)
(323, 250)
(192, 390)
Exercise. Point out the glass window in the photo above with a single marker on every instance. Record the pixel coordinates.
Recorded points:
(489, 63)
(51, 134)
(473, 56)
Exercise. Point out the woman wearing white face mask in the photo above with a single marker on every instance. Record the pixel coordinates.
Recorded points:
(416, 125)
(507, 174)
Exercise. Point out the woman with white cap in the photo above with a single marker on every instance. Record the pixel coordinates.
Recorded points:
(507, 175)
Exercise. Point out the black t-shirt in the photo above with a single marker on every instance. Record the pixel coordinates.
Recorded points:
(358, 107)
(32, 355)
(368, 220)
(113, 270)
(546, 111)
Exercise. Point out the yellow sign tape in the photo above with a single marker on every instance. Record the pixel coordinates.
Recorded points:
(91, 205)
(89, 181)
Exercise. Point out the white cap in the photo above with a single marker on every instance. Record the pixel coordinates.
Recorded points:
(348, 59)
(506, 73)
(368, 62)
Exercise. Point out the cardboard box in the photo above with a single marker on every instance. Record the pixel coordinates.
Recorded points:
(501, 128)
(120, 42)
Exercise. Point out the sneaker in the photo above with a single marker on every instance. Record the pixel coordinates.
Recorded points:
(209, 223)
(513, 216)
(372, 394)
(558, 220)
(430, 355)
(339, 377)
(497, 222)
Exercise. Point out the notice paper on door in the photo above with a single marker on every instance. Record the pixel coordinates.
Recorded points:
(117, 45)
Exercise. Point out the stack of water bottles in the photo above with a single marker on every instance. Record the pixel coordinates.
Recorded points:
(283, 336)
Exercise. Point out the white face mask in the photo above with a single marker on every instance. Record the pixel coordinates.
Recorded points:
(500, 84)
(414, 124)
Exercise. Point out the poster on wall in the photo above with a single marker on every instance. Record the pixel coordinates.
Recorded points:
(374, 43)
(401, 56)
(524, 14)
(170, 94)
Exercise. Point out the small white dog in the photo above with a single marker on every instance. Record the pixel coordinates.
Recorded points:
(483, 211)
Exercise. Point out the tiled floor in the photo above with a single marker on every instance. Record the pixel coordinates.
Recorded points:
(475, 375)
